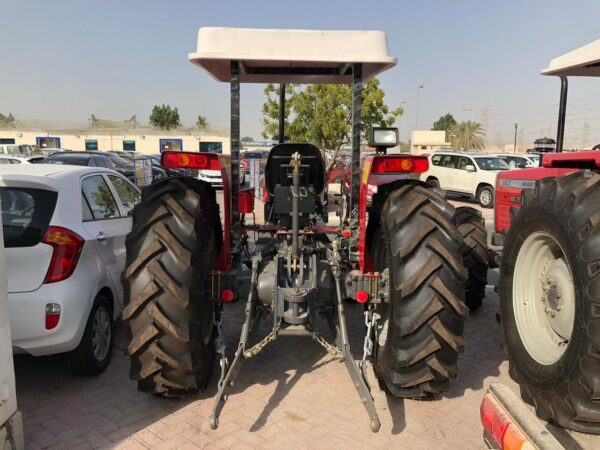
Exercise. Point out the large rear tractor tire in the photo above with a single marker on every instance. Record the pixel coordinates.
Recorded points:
(471, 225)
(550, 300)
(419, 335)
(171, 250)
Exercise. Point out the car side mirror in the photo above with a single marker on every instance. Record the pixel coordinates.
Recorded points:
(470, 168)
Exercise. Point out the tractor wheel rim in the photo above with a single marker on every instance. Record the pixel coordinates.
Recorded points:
(101, 333)
(485, 197)
(543, 298)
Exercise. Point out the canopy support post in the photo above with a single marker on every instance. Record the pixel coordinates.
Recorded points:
(562, 113)
(355, 164)
(282, 113)
(235, 162)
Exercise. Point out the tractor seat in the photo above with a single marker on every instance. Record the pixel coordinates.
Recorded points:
(278, 169)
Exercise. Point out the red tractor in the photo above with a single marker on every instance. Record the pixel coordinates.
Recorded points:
(548, 221)
(401, 256)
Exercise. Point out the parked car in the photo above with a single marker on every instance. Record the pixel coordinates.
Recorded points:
(158, 171)
(468, 174)
(170, 172)
(10, 149)
(520, 160)
(254, 154)
(6, 159)
(93, 159)
(64, 233)
(11, 420)
(49, 151)
(214, 176)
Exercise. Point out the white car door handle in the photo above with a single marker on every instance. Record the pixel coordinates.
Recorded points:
(101, 237)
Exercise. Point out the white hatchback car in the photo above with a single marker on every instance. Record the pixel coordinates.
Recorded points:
(471, 174)
(64, 233)
(8, 159)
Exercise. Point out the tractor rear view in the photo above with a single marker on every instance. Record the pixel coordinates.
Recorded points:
(548, 219)
(401, 255)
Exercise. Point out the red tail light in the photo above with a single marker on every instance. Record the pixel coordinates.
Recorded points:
(52, 315)
(67, 247)
(391, 164)
(362, 296)
(227, 295)
(190, 160)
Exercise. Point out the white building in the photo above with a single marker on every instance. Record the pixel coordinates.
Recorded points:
(425, 141)
(143, 140)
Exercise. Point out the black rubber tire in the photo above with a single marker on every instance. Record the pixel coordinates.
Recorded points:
(82, 360)
(471, 225)
(420, 334)
(433, 182)
(567, 392)
(171, 250)
(489, 189)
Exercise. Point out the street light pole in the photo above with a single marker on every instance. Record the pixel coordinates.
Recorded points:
(515, 144)
(419, 87)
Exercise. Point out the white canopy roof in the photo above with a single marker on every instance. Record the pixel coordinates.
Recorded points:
(584, 61)
(291, 56)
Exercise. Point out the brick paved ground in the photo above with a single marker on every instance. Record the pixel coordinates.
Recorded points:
(290, 396)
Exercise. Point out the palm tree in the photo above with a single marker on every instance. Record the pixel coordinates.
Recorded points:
(468, 136)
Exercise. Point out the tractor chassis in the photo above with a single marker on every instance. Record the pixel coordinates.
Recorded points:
(300, 319)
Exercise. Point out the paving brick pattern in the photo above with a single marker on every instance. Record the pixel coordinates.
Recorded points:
(292, 395)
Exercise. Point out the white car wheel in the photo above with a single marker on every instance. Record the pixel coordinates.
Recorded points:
(101, 333)
(486, 197)
(543, 298)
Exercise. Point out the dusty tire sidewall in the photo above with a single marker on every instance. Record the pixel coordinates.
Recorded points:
(543, 376)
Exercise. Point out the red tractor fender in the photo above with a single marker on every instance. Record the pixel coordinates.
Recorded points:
(210, 161)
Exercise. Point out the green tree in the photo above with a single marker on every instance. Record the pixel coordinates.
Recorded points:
(445, 123)
(247, 139)
(165, 117)
(202, 123)
(270, 109)
(322, 113)
(468, 136)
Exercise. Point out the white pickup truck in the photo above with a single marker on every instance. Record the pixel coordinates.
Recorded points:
(11, 424)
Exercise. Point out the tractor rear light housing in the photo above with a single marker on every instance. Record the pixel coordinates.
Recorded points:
(393, 164)
(52, 315)
(190, 160)
(66, 249)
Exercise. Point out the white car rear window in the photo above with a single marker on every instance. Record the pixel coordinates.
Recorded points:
(26, 214)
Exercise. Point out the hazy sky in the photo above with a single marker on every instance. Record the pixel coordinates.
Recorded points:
(480, 60)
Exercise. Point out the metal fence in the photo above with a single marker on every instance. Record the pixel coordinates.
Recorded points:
(256, 174)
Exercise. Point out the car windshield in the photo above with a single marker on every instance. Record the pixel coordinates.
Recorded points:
(491, 163)
(118, 160)
(254, 155)
(72, 160)
(535, 159)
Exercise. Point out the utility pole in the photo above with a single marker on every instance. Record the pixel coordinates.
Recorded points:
(419, 87)
(515, 144)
